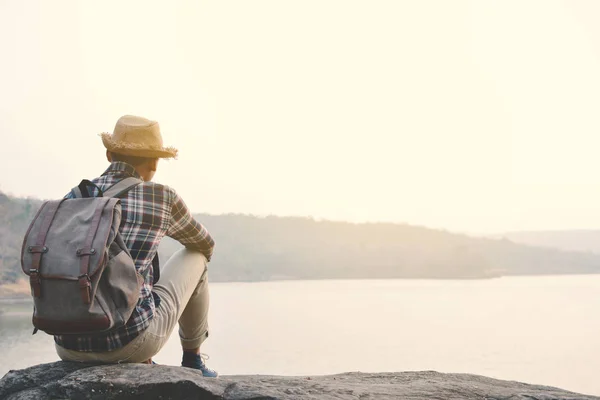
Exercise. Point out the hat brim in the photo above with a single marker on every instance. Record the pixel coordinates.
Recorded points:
(130, 149)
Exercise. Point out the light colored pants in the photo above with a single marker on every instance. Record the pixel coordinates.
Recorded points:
(183, 291)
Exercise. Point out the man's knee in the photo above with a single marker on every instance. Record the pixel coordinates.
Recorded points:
(192, 254)
(187, 257)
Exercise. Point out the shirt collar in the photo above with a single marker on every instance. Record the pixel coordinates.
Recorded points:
(121, 168)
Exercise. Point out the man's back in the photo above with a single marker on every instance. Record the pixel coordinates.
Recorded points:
(150, 211)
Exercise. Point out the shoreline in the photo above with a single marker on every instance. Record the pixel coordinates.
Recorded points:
(21, 293)
(14, 300)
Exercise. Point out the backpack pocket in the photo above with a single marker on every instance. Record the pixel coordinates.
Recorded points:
(120, 284)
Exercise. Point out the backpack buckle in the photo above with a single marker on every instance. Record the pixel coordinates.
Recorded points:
(35, 282)
(85, 287)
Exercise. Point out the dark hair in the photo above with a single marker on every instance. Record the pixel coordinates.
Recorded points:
(131, 160)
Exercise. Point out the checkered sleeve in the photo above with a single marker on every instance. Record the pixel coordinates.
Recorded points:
(185, 229)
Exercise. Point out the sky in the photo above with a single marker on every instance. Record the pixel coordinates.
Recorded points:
(471, 116)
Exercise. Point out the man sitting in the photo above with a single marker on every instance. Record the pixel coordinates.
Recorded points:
(151, 211)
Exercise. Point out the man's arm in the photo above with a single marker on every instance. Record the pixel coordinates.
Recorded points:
(185, 229)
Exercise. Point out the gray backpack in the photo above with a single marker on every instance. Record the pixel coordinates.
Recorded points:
(83, 279)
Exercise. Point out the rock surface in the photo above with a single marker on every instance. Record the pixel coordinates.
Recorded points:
(62, 380)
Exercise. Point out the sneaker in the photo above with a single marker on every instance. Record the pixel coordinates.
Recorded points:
(196, 361)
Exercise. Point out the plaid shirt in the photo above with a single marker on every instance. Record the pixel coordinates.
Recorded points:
(149, 212)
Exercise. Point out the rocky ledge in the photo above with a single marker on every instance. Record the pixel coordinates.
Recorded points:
(62, 380)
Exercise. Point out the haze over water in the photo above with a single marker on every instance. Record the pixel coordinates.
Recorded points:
(540, 330)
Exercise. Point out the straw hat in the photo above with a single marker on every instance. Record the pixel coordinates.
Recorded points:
(137, 136)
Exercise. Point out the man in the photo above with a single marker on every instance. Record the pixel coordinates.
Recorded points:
(149, 212)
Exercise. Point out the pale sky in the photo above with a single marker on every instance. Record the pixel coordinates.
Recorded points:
(472, 116)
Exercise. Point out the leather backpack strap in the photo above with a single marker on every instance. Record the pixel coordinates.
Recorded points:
(122, 187)
(87, 250)
(40, 248)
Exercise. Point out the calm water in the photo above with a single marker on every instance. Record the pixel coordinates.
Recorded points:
(538, 330)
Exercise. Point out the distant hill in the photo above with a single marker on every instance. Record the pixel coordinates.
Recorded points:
(257, 249)
(15, 216)
(570, 240)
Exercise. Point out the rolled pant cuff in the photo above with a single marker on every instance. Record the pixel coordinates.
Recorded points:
(193, 343)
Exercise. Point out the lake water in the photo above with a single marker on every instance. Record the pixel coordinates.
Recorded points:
(543, 330)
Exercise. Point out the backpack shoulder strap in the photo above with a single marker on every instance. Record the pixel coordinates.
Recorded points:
(83, 189)
(122, 187)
